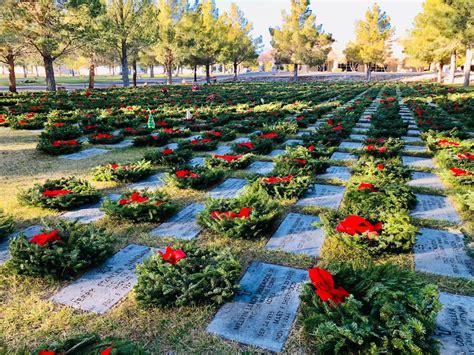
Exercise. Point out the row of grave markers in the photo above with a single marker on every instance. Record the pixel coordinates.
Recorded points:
(263, 313)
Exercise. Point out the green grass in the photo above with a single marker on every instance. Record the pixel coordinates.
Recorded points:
(29, 320)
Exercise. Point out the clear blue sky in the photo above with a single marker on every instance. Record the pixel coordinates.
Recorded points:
(336, 16)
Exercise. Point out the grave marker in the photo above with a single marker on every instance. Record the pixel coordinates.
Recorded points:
(88, 153)
(321, 195)
(28, 232)
(424, 179)
(182, 225)
(336, 172)
(229, 188)
(261, 167)
(151, 183)
(417, 162)
(435, 207)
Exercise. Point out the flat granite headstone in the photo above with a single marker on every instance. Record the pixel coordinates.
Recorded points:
(415, 148)
(351, 145)
(277, 152)
(363, 125)
(88, 153)
(411, 139)
(442, 253)
(229, 188)
(343, 156)
(261, 167)
(360, 130)
(263, 312)
(418, 162)
(358, 137)
(413, 132)
(321, 195)
(89, 214)
(222, 150)
(241, 140)
(182, 225)
(454, 325)
(123, 144)
(336, 172)
(195, 162)
(291, 142)
(435, 207)
(28, 232)
(170, 146)
(100, 289)
(297, 235)
(424, 179)
(151, 183)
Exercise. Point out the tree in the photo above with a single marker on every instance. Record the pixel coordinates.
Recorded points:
(300, 40)
(168, 46)
(462, 27)
(372, 44)
(11, 48)
(239, 45)
(431, 40)
(48, 27)
(127, 26)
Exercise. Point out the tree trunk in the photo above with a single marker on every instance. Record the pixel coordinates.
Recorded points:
(36, 70)
(124, 63)
(11, 72)
(91, 75)
(152, 71)
(208, 73)
(169, 74)
(452, 67)
(49, 70)
(73, 73)
(368, 69)
(440, 72)
(195, 73)
(25, 71)
(467, 65)
(134, 71)
(235, 70)
(295, 72)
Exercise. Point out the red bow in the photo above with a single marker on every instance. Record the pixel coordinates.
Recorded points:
(445, 142)
(45, 238)
(364, 185)
(58, 124)
(466, 156)
(301, 161)
(185, 174)
(54, 193)
(172, 256)
(243, 213)
(268, 135)
(248, 145)
(91, 126)
(338, 128)
(323, 282)
(167, 151)
(103, 135)
(276, 180)
(228, 158)
(460, 172)
(199, 141)
(310, 148)
(355, 224)
(380, 166)
(330, 122)
(134, 197)
(215, 133)
(371, 147)
(60, 143)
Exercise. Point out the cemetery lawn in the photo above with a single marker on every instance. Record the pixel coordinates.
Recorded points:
(28, 319)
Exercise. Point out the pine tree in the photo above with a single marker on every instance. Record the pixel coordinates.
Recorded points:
(300, 40)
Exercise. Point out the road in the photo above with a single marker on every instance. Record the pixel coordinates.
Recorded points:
(244, 76)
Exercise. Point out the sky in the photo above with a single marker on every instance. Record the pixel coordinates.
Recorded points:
(337, 16)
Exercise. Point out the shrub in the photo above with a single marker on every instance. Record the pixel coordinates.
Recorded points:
(62, 194)
(188, 276)
(7, 224)
(198, 178)
(391, 232)
(151, 140)
(105, 138)
(285, 186)
(382, 170)
(246, 216)
(382, 148)
(61, 131)
(233, 162)
(140, 206)
(30, 120)
(58, 147)
(390, 310)
(168, 156)
(298, 161)
(63, 250)
(220, 134)
(122, 173)
(203, 144)
(92, 344)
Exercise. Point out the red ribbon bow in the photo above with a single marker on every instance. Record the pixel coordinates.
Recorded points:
(243, 213)
(364, 186)
(167, 151)
(445, 142)
(134, 197)
(466, 156)
(268, 135)
(68, 142)
(338, 128)
(228, 158)
(54, 193)
(323, 282)
(460, 172)
(215, 133)
(172, 256)
(103, 135)
(44, 238)
(185, 174)
(357, 225)
(371, 147)
(248, 145)
(276, 180)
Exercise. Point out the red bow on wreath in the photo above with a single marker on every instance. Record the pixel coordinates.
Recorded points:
(54, 193)
(45, 238)
(364, 186)
(276, 180)
(323, 282)
(460, 172)
(243, 213)
(248, 145)
(357, 225)
(228, 158)
(172, 256)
